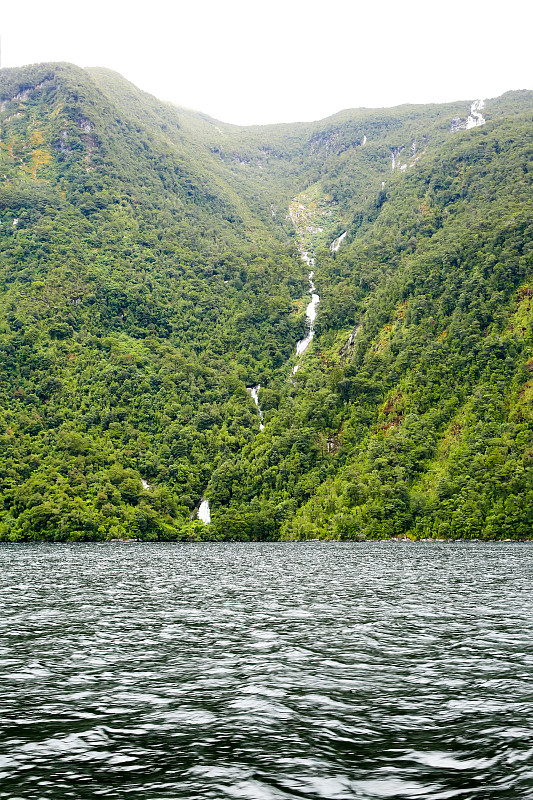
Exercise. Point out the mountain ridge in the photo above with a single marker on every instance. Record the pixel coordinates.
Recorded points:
(151, 276)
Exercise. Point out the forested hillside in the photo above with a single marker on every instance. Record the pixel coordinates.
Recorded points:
(150, 277)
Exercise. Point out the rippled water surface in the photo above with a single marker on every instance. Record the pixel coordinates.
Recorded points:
(312, 670)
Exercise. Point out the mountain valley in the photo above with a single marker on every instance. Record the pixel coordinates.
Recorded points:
(155, 265)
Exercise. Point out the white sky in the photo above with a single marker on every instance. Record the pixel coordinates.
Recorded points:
(284, 60)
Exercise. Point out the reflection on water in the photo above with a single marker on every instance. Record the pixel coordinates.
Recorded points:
(259, 671)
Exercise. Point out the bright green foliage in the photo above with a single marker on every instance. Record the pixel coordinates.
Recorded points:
(149, 275)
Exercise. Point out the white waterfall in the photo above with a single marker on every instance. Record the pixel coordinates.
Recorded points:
(298, 216)
(476, 118)
(334, 246)
(254, 391)
(204, 513)
(310, 314)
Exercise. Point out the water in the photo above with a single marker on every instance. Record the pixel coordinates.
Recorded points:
(204, 512)
(254, 391)
(310, 315)
(334, 246)
(476, 118)
(296, 670)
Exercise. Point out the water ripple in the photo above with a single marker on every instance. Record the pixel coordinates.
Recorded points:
(267, 671)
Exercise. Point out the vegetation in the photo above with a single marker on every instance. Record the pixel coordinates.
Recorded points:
(150, 274)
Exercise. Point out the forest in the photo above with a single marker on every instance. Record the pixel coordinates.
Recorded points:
(151, 274)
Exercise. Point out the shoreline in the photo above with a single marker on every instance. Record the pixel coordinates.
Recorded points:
(266, 541)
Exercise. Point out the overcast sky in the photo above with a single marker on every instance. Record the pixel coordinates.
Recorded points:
(256, 62)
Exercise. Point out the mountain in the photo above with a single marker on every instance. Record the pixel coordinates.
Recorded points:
(151, 276)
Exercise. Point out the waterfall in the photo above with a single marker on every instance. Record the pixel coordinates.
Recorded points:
(310, 313)
(204, 513)
(254, 391)
(298, 215)
(334, 246)
(476, 117)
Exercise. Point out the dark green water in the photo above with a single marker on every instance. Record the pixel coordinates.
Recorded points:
(262, 671)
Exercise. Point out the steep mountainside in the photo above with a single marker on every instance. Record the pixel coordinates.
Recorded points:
(150, 279)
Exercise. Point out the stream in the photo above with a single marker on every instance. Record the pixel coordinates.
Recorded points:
(254, 391)
(310, 315)
(334, 246)
(476, 118)
(204, 512)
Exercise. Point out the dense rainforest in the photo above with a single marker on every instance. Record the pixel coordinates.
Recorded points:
(151, 274)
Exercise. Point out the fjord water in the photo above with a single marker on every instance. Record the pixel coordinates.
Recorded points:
(297, 670)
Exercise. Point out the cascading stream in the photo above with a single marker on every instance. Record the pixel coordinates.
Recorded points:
(310, 313)
(300, 217)
(254, 391)
(204, 512)
(334, 246)
(476, 118)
